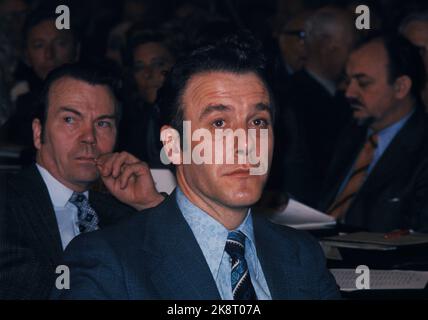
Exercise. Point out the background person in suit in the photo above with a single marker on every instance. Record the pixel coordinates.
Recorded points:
(49, 203)
(203, 242)
(378, 179)
(320, 110)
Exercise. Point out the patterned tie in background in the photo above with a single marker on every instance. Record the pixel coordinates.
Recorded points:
(87, 218)
(356, 180)
(242, 287)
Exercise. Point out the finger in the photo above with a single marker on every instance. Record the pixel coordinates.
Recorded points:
(130, 171)
(103, 158)
(105, 163)
(117, 163)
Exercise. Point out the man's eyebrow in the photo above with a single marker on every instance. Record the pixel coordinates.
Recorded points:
(107, 116)
(263, 107)
(72, 110)
(69, 109)
(359, 76)
(213, 108)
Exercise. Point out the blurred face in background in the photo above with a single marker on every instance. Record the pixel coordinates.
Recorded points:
(291, 42)
(48, 48)
(152, 60)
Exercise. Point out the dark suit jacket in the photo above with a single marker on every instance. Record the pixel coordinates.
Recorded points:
(395, 194)
(156, 256)
(30, 242)
(320, 118)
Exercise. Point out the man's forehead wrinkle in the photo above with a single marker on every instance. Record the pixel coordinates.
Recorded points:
(61, 95)
(212, 92)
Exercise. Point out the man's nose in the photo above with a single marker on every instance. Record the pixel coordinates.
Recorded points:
(350, 90)
(246, 142)
(49, 52)
(89, 135)
(148, 72)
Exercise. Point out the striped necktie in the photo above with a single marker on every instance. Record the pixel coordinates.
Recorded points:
(242, 288)
(356, 179)
(87, 218)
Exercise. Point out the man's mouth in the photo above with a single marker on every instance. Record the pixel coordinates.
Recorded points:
(86, 159)
(239, 173)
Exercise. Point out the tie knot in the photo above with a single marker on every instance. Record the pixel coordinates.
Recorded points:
(77, 198)
(235, 244)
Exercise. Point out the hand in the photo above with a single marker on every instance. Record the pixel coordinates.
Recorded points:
(129, 180)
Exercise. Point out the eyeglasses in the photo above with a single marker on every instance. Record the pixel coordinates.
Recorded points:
(298, 33)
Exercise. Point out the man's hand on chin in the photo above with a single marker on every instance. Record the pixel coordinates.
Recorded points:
(129, 180)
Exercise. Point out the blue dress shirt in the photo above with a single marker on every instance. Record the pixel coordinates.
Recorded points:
(211, 236)
(65, 212)
(385, 137)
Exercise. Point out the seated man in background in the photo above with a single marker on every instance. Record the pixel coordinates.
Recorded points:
(203, 242)
(49, 203)
(312, 94)
(378, 179)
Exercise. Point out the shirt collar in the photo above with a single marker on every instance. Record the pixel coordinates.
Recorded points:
(386, 135)
(58, 193)
(211, 235)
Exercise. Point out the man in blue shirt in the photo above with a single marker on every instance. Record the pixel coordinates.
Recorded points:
(378, 178)
(203, 242)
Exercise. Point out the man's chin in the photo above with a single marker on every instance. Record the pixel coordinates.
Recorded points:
(87, 176)
(243, 199)
(363, 120)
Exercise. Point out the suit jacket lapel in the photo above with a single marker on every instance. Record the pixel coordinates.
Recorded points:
(400, 148)
(179, 267)
(39, 212)
(279, 260)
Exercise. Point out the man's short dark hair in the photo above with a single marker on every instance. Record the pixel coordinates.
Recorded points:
(90, 73)
(404, 59)
(238, 53)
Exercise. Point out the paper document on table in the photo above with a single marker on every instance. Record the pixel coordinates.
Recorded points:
(381, 279)
(164, 180)
(300, 216)
(375, 241)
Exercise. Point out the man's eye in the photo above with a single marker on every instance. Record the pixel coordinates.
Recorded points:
(218, 123)
(261, 123)
(69, 120)
(37, 45)
(61, 43)
(363, 84)
(104, 124)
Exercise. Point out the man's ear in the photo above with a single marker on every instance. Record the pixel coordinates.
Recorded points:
(402, 86)
(171, 151)
(37, 133)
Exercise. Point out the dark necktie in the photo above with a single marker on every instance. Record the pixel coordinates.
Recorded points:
(242, 287)
(356, 180)
(87, 218)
